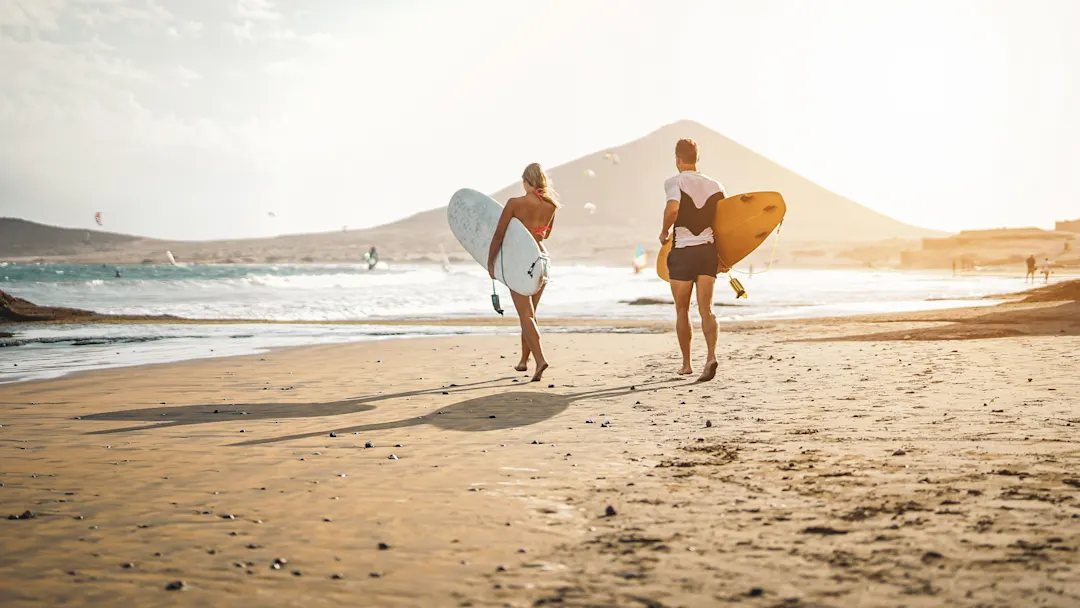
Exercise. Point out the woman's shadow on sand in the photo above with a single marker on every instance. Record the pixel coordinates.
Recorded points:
(514, 408)
(183, 415)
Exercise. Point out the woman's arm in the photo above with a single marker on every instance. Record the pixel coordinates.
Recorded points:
(500, 234)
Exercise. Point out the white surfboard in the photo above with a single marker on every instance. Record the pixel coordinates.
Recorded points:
(473, 217)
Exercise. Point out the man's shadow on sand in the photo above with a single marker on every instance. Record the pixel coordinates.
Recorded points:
(504, 410)
(488, 413)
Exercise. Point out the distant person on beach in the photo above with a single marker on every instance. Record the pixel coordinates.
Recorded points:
(690, 210)
(1030, 268)
(372, 258)
(1046, 270)
(537, 211)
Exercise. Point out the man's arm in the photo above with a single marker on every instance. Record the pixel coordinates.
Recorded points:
(670, 213)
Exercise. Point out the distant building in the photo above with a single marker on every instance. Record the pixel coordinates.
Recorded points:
(999, 247)
(1068, 226)
(997, 237)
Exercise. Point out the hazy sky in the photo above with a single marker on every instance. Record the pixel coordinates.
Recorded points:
(195, 118)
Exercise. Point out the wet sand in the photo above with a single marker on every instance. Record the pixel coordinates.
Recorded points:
(865, 461)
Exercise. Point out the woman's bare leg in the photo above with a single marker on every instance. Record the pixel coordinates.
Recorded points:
(530, 332)
(523, 364)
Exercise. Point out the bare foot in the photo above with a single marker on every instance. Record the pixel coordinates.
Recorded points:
(710, 371)
(522, 367)
(540, 367)
(686, 370)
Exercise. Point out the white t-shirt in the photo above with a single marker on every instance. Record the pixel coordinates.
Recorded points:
(699, 188)
(1046, 266)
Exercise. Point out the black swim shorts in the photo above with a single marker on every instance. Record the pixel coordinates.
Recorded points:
(689, 263)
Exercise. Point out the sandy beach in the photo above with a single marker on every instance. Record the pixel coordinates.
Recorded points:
(906, 460)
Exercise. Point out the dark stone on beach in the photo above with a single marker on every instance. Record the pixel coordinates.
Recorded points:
(79, 517)
(445, 393)
(176, 586)
(398, 445)
(369, 445)
(500, 569)
(25, 515)
(297, 573)
(823, 530)
(491, 416)
(328, 519)
(281, 561)
(332, 434)
(336, 576)
(217, 411)
(375, 574)
(899, 453)
(605, 424)
(392, 457)
(610, 511)
(708, 424)
(551, 386)
(228, 516)
(755, 592)
(383, 546)
(589, 421)
(128, 566)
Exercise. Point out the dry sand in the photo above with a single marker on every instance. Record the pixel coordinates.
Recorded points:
(893, 471)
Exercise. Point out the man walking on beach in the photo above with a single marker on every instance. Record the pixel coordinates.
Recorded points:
(1030, 268)
(691, 209)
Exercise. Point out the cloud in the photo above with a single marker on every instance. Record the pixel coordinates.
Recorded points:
(259, 10)
(279, 67)
(186, 75)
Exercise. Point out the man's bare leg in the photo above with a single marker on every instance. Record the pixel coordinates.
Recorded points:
(709, 327)
(682, 291)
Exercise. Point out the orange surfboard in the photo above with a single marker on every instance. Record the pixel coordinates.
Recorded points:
(742, 223)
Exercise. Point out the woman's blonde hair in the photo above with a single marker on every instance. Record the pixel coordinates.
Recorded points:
(534, 176)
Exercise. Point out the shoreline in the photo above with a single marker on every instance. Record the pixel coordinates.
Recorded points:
(837, 471)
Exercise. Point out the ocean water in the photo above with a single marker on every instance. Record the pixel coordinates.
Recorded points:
(313, 293)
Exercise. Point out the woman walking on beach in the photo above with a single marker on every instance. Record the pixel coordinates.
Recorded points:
(537, 211)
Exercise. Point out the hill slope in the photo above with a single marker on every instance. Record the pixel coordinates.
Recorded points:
(628, 197)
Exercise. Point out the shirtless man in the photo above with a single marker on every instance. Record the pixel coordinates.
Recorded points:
(691, 208)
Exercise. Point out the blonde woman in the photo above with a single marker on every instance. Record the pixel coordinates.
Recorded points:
(537, 211)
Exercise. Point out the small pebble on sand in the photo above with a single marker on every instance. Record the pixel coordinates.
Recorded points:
(383, 546)
(369, 445)
(610, 511)
(899, 453)
(176, 586)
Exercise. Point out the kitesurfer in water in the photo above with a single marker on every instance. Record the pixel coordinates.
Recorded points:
(537, 211)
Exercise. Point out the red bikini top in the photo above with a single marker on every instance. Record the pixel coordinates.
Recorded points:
(542, 232)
